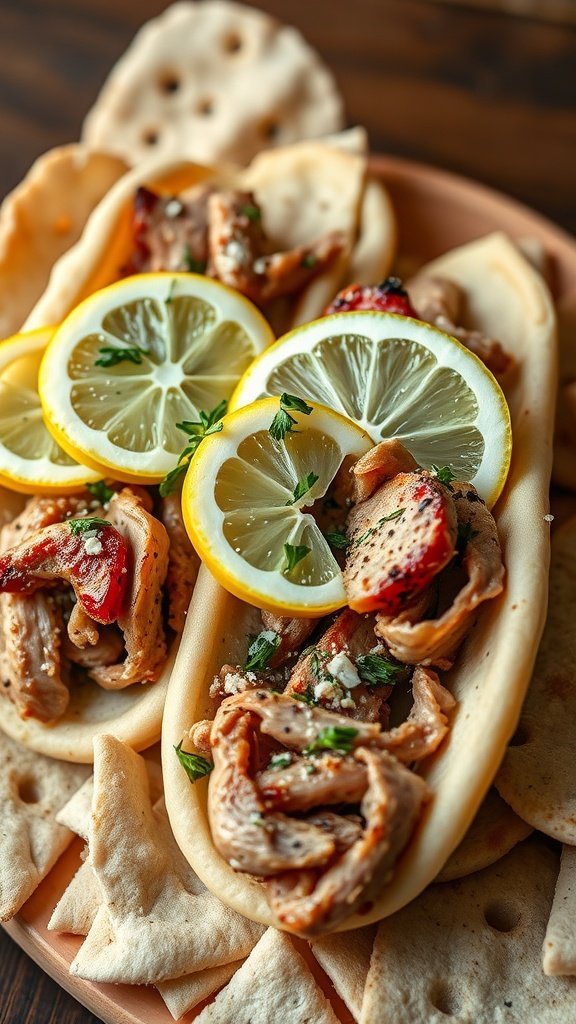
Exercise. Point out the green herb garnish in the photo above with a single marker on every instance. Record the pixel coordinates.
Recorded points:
(252, 212)
(305, 698)
(195, 766)
(192, 265)
(337, 737)
(283, 422)
(373, 529)
(294, 553)
(80, 526)
(281, 760)
(209, 423)
(337, 540)
(309, 261)
(261, 649)
(112, 355)
(101, 492)
(376, 670)
(444, 475)
(171, 291)
(302, 487)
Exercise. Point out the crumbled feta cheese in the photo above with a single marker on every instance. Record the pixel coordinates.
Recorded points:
(268, 634)
(92, 546)
(215, 687)
(259, 265)
(234, 682)
(548, 518)
(325, 690)
(173, 208)
(347, 702)
(344, 671)
(235, 251)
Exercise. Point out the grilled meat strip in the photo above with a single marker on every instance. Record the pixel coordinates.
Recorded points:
(435, 641)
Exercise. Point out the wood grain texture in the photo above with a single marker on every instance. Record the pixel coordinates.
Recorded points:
(474, 91)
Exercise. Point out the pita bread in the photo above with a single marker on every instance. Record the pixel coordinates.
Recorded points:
(42, 218)
(560, 940)
(346, 960)
(76, 909)
(33, 788)
(508, 300)
(372, 256)
(471, 950)
(492, 834)
(157, 921)
(183, 994)
(274, 984)
(538, 777)
(211, 82)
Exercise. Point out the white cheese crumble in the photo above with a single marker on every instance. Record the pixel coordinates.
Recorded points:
(235, 251)
(268, 634)
(173, 208)
(344, 671)
(347, 702)
(235, 682)
(325, 690)
(92, 546)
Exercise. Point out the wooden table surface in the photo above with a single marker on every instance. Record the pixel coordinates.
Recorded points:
(489, 95)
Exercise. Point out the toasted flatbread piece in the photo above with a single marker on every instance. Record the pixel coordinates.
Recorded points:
(157, 920)
(346, 960)
(42, 218)
(33, 788)
(560, 941)
(538, 775)
(470, 951)
(492, 834)
(274, 984)
(372, 256)
(76, 909)
(213, 81)
(183, 994)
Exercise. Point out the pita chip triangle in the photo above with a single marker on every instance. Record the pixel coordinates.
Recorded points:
(345, 957)
(560, 941)
(33, 788)
(157, 920)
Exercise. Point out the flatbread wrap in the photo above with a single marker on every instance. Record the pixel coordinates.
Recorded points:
(505, 299)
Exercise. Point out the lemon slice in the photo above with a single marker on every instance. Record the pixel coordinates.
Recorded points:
(31, 461)
(396, 377)
(260, 541)
(170, 344)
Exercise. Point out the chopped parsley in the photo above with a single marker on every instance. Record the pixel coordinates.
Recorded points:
(281, 760)
(376, 670)
(101, 491)
(305, 698)
(170, 296)
(252, 212)
(302, 487)
(192, 265)
(294, 553)
(337, 737)
(80, 526)
(444, 475)
(373, 529)
(195, 766)
(309, 261)
(283, 422)
(261, 649)
(111, 355)
(209, 423)
(337, 540)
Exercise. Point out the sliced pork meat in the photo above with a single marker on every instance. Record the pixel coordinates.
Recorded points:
(293, 634)
(183, 563)
(441, 301)
(106, 650)
(249, 838)
(435, 641)
(327, 674)
(141, 617)
(427, 724)
(32, 628)
(82, 630)
(312, 782)
(381, 463)
(390, 809)
(399, 540)
(169, 233)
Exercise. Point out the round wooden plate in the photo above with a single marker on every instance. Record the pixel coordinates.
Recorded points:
(436, 211)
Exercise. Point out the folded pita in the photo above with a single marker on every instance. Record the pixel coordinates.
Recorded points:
(157, 921)
(471, 950)
(492, 834)
(33, 788)
(538, 774)
(560, 941)
(345, 958)
(183, 994)
(76, 909)
(273, 985)
(42, 218)
(213, 81)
